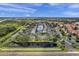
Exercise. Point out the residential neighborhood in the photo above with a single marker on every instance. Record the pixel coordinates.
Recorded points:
(39, 29)
(58, 35)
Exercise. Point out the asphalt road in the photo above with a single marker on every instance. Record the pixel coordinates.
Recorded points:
(68, 45)
(39, 53)
(2, 20)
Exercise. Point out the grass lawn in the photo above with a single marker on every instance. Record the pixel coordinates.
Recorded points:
(30, 49)
(77, 49)
(9, 35)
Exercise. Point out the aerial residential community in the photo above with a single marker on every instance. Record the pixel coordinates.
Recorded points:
(37, 34)
(39, 29)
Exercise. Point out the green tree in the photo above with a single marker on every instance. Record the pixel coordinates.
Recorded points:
(21, 40)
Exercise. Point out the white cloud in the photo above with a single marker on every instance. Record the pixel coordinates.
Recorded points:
(37, 4)
(54, 4)
(74, 6)
(28, 15)
(71, 13)
(17, 8)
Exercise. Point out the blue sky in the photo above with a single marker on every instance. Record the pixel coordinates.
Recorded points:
(39, 10)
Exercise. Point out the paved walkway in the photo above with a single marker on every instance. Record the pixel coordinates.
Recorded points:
(39, 53)
(68, 45)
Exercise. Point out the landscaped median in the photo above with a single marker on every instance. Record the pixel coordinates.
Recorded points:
(30, 49)
(3, 39)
